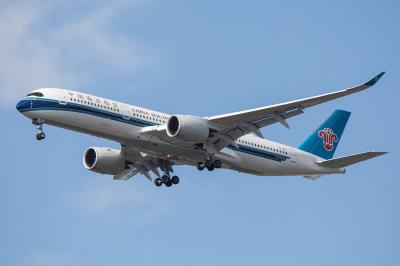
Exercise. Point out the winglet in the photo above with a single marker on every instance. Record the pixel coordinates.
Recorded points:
(374, 79)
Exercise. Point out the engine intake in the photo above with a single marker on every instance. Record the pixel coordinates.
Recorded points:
(104, 160)
(188, 128)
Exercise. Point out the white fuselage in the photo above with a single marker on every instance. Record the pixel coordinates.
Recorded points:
(123, 123)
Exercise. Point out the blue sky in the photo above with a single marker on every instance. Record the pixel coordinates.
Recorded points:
(200, 58)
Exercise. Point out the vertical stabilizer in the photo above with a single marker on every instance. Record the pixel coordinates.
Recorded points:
(325, 139)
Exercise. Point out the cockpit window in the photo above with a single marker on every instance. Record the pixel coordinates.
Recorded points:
(37, 94)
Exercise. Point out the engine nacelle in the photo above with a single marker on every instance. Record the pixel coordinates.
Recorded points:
(104, 160)
(188, 128)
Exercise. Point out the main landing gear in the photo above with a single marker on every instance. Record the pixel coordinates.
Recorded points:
(39, 126)
(209, 164)
(167, 180)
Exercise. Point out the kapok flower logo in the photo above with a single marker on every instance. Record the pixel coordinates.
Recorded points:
(328, 137)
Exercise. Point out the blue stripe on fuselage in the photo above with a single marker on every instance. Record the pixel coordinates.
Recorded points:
(260, 153)
(39, 104)
(49, 104)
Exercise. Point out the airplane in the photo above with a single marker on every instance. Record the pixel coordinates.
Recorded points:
(152, 141)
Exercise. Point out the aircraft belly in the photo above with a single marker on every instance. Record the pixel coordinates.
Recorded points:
(267, 167)
(130, 134)
(86, 123)
(118, 131)
(182, 154)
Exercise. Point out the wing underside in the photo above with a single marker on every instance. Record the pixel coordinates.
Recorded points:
(235, 125)
(141, 163)
(226, 128)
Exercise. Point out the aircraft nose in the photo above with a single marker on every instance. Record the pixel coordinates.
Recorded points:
(23, 104)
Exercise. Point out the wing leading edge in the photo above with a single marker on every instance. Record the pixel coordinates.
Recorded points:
(274, 111)
(229, 127)
(234, 125)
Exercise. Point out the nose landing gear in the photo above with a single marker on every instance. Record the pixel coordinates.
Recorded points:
(40, 136)
(39, 126)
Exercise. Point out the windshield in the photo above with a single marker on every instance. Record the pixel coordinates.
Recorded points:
(37, 94)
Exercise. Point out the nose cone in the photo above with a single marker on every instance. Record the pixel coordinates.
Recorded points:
(21, 105)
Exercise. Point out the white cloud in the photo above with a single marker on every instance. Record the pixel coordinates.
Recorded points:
(40, 49)
(24, 60)
(117, 201)
(45, 258)
(107, 195)
(137, 200)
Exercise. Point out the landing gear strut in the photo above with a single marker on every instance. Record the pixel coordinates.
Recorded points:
(39, 126)
(209, 164)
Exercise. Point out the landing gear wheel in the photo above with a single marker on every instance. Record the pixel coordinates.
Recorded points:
(169, 183)
(208, 164)
(217, 164)
(210, 168)
(165, 179)
(40, 136)
(175, 180)
(200, 166)
(158, 182)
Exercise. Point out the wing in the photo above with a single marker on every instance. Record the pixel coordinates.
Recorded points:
(226, 128)
(235, 125)
(139, 162)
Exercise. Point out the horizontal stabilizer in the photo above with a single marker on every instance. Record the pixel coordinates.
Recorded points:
(351, 159)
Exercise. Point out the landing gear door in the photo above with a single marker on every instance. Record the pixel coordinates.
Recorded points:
(63, 99)
(126, 112)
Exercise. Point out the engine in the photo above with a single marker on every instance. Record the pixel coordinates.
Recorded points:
(188, 128)
(104, 160)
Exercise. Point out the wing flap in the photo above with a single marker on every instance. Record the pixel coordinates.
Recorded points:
(158, 131)
(140, 163)
(126, 174)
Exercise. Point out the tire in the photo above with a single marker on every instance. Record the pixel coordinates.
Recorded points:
(40, 136)
(208, 163)
(168, 184)
(165, 179)
(158, 182)
(175, 180)
(210, 168)
(217, 164)
(200, 166)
